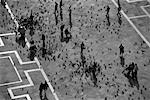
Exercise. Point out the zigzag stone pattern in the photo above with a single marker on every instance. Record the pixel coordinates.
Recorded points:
(25, 79)
(75, 50)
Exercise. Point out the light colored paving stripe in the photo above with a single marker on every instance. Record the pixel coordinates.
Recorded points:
(1, 42)
(143, 8)
(20, 80)
(132, 24)
(132, 1)
(38, 63)
(15, 68)
(11, 14)
(138, 16)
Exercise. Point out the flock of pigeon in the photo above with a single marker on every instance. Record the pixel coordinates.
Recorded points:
(81, 46)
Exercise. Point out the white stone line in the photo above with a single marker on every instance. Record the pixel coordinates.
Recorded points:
(37, 61)
(15, 68)
(7, 34)
(132, 1)
(11, 14)
(49, 84)
(132, 24)
(1, 42)
(23, 86)
(18, 57)
(20, 80)
(138, 16)
(143, 8)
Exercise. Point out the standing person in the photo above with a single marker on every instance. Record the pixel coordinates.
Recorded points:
(61, 10)
(122, 61)
(21, 40)
(70, 17)
(107, 15)
(119, 6)
(33, 50)
(134, 74)
(45, 85)
(119, 13)
(43, 48)
(121, 47)
(68, 35)
(41, 90)
(56, 13)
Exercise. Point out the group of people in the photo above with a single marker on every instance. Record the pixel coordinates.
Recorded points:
(131, 74)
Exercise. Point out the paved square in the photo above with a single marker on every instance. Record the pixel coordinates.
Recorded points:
(8, 72)
(87, 67)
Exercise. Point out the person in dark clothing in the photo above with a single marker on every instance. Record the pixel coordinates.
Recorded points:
(41, 90)
(119, 13)
(82, 55)
(45, 85)
(56, 13)
(131, 74)
(61, 10)
(119, 18)
(62, 33)
(107, 15)
(43, 48)
(33, 50)
(21, 40)
(68, 35)
(122, 61)
(119, 6)
(121, 47)
(70, 17)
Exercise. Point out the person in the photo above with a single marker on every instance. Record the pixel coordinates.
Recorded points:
(56, 13)
(121, 49)
(119, 6)
(21, 40)
(41, 90)
(45, 85)
(70, 18)
(61, 10)
(33, 50)
(107, 15)
(43, 48)
(68, 35)
(122, 61)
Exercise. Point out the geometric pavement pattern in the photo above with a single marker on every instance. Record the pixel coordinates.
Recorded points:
(134, 17)
(25, 74)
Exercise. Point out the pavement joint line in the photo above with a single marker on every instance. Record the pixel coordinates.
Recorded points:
(15, 67)
(132, 24)
(20, 80)
(38, 63)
